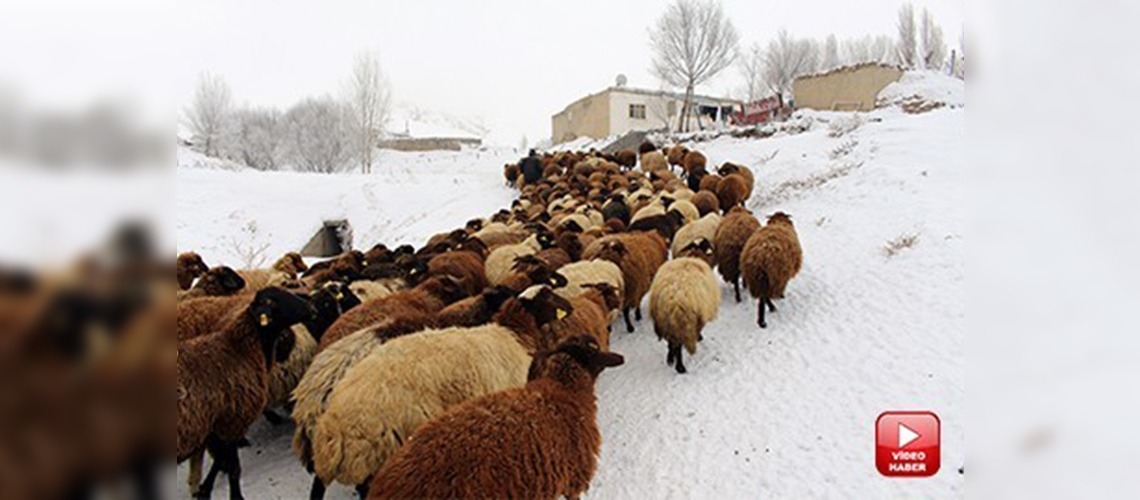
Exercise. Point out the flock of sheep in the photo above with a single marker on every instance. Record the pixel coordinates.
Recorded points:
(466, 367)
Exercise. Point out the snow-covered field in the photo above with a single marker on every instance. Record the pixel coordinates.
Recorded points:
(786, 412)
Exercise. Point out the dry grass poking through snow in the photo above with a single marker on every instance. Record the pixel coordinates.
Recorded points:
(787, 189)
(897, 245)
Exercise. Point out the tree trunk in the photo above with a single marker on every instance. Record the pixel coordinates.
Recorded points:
(683, 125)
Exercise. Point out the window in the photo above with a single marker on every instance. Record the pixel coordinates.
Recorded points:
(637, 111)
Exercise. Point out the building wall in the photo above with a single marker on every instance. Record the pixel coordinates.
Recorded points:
(656, 112)
(588, 117)
(429, 144)
(846, 89)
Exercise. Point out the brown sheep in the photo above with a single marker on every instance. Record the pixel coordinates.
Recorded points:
(771, 257)
(538, 441)
(639, 255)
(693, 161)
(645, 147)
(732, 192)
(738, 225)
(418, 305)
(732, 168)
(591, 314)
(529, 270)
(475, 311)
(511, 173)
(188, 266)
(627, 158)
(676, 155)
(706, 202)
(223, 381)
(215, 282)
(465, 266)
(709, 183)
(284, 271)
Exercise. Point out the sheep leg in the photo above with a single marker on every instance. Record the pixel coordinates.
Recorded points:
(362, 488)
(760, 314)
(637, 312)
(628, 323)
(143, 479)
(194, 477)
(317, 492)
(232, 466)
(680, 362)
(671, 356)
(771, 305)
(206, 489)
(736, 288)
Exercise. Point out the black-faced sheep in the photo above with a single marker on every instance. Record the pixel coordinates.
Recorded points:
(477, 310)
(223, 381)
(728, 242)
(665, 225)
(215, 282)
(537, 441)
(771, 257)
(683, 299)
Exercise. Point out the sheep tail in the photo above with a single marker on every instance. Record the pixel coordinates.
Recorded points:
(694, 333)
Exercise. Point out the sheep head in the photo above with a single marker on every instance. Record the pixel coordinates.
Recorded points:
(780, 218)
(495, 296)
(544, 305)
(613, 251)
(473, 225)
(273, 310)
(189, 265)
(580, 351)
(329, 302)
(291, 263)
(220, 280)
(609, 295)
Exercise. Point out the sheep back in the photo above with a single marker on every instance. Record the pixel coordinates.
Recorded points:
(705, 227)
(729, 240)
(770, 258)
(683, 299)
(402, 385)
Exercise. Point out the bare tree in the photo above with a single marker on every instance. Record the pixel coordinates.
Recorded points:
(933, 48)
(870, 49)
(207, 115)
(751, 65)
(315, 131)
(369, 96)
(907, 49)
(692, 42)
(830, 58)
(258, 139)
(785, 59)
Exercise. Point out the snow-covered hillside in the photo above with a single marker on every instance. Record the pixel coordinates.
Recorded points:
(875, 320)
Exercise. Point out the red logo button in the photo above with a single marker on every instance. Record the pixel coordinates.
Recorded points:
(908, 443)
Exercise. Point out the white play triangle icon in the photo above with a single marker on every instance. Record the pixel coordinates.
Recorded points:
(906, 435)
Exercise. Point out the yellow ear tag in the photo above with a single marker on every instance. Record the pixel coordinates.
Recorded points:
(561, 313)
(263, 319)
(339, 296)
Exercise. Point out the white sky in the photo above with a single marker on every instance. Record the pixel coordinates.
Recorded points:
(511, 63)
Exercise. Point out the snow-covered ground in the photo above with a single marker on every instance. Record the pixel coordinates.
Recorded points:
(786, 412)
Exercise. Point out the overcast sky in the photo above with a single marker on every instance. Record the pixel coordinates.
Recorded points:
(511, 63)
